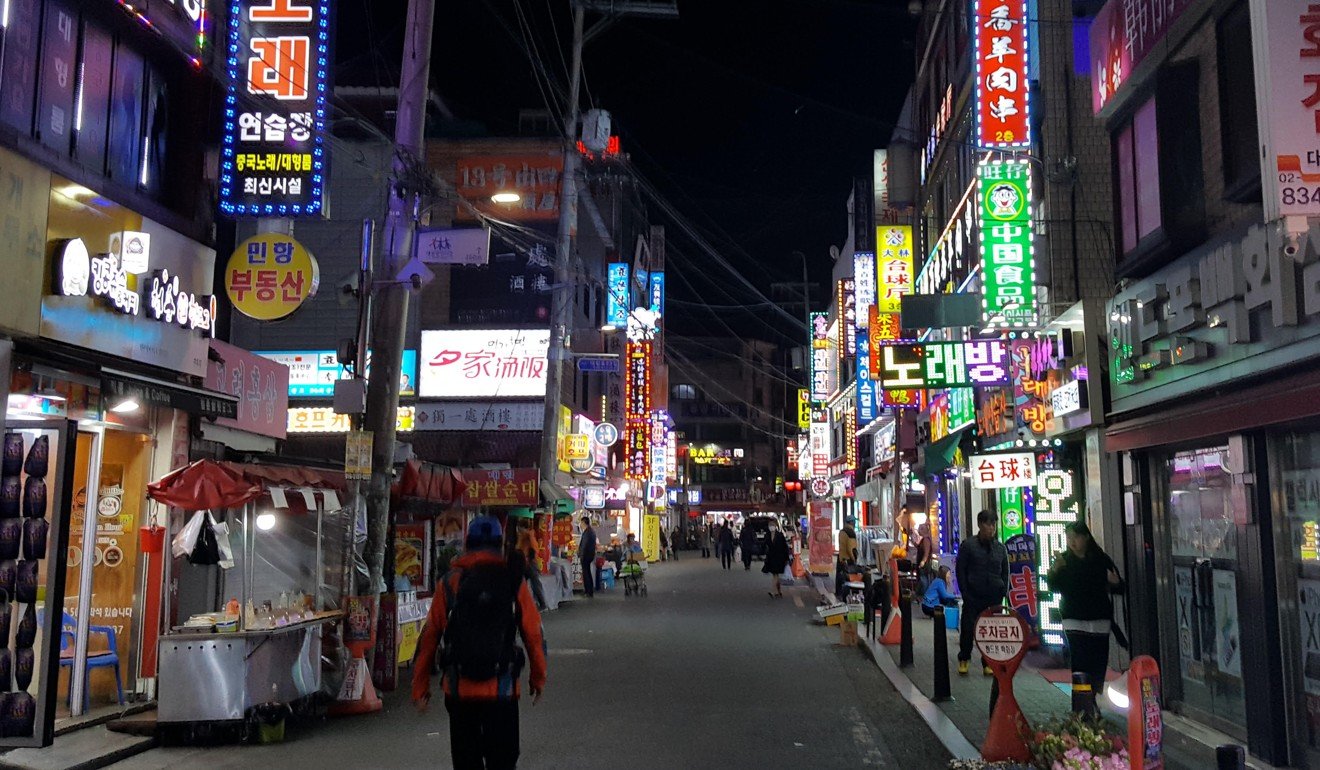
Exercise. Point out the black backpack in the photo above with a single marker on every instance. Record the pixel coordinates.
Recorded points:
(480, 632)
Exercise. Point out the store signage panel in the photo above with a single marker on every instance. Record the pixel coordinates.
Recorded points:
(846, 302)
(183, 398)
(1068, 398)
(509, 487)
(534, 176)
(1031, 390)
(617, 299)
(820, 446)
(637, 411)
(1008, 252)
(1000, 62)
(114, 277)
(938, 365)
(996, 471)
(323, 419)
(483, 363)
(593, 498)
(1057, 504)
(864, 286)
(479, 415)
(1287, 60)
(454, 246)
(804, 409)
(821, 387)
(183, 22)
(273, 157)
(895, 274)
(1122, 35)
(868, 394)
(656, 293)
(271, 275)
(1171, 332)
(313, 373)
(962, 408)
(260, 385)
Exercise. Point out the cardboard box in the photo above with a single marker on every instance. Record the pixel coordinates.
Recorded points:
(848, 633)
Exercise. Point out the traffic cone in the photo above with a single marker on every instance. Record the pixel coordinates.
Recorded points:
(368, 702)
(893, 630)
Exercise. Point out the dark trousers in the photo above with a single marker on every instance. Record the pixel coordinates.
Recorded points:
(726, 557)
(1089, 654)
(483, 734)
(705, 552)
(967, 635)
(747, 557)
(589, 576)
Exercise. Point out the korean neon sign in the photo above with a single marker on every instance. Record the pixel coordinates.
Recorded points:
(637, 411)
(1002, 90)
(847, 305)
(934, 365)
(1057, 505)
(656, 292)
(273, 161)
(820, 357)
(1008, 253)
(868, 400)
(616, 305)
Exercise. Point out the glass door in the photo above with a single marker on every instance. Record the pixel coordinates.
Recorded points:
(1203, 529)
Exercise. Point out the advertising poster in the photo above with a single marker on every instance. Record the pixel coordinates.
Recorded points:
(1145, 719)
(544, 535)
(1227, 627)
(820, 549)
(651, 537)
(412, 559)
(1187, 648)
(483, 363)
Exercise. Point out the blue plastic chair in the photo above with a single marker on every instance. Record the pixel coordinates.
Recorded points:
(109, 658)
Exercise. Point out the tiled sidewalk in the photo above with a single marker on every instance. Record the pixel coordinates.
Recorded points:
(1040, 700)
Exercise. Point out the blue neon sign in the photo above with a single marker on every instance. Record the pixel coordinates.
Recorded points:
(616, 307)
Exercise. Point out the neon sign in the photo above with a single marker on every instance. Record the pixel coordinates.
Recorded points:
(893, 266)
(1008, 252)
(937, 365)
(637, 411)
(1057, 505)
(616, 304)
(1002, 90)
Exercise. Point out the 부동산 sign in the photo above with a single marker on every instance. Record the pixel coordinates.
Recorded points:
(271, 275)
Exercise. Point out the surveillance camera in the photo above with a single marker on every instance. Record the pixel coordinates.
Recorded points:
(415, 280)
(1292, 243)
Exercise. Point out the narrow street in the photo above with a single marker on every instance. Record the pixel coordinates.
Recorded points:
(705, 671)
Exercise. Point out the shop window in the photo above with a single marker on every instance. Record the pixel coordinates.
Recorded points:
(126, 87)
(1297, 480)
(1237, 106)
(685, 392)
(1136, 155)
(19, 63)
(92, 107)
(155, 143)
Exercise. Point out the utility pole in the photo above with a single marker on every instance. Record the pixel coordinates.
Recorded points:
(561, 298)
(390, 316)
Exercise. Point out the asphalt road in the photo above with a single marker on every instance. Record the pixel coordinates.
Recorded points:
(706, 671)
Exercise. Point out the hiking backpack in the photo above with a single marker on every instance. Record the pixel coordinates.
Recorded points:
(480, 631)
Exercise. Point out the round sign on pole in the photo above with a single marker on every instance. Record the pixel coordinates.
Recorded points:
(1000, 638)
(270, 275)
(606, 434)
(820, 487)
(583, 465)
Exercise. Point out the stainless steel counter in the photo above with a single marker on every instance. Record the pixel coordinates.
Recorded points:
(211, 677)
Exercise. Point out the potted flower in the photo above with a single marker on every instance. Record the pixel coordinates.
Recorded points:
(1078, 742)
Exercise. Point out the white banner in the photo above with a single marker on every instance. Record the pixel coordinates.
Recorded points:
(1286, 56)
(459, 246)
(479, 415)
(1003, 471)
(483, 363)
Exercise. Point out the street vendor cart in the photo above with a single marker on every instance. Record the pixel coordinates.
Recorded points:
(262, 644)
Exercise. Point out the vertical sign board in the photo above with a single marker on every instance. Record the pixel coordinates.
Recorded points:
(273, 159)
(1286, 37)
(616, 305)
(804, 409)
(868, 401)
(1057, 504)
(1008, 255)
(637, 411)
(1016, 512)
(864, 286)
(1022, 596)
(847, 305)
(1000, 60)
(820, 357)
(651, 537)
(1145, 719)
(656, 293)
(894, 267)
(821, 450)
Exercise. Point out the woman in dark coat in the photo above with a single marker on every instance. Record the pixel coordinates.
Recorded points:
(776, 558)
(1085, 578)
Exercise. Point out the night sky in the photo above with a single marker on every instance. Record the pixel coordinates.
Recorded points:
(751, 117)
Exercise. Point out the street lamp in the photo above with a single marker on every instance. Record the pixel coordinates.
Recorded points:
(505, 197)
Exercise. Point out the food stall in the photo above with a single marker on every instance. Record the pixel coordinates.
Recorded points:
(289, 544)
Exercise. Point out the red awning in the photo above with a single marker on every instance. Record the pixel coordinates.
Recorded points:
(430, 483)
(207, 484)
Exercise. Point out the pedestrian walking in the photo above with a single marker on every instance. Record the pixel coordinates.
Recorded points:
(525, 552)
(1085, 579)
(848, 554)
(675, 541)
(938, 593)
(982, 571)
(725, 545)
(746, 542)
(925, 558)
(777, 556)
(664, 545)
(705, 536)
(587, 556)
(471, 625)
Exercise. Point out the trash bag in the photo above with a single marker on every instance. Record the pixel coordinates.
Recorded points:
(184, 542)
(206, 550)
(221, 533)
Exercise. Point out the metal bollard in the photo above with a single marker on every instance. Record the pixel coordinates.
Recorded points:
(943, 692)
(869, 604)
(1230, 757)
(905, 629)
(1083, 696)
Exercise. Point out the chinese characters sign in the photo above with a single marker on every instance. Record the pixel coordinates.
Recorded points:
(480, 415)
(864, 286)
(273, 161)
(616, 305)
(270, 275)
(847, 305)
(1003, 117)
(1122, 34)
(483, 363)
(996, 471)
(1008, 265)
(936, 365)
(1288, 74)
(637, 411)
(516, 486)
(893, 264)
(535, 177)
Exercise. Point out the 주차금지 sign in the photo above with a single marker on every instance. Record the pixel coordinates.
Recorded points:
(483, 363)
(1008, 253)
(271, 275)
(273, 157)
(1000, 638)
(997, 471)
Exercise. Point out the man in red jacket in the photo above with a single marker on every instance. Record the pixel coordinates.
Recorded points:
(471, 625)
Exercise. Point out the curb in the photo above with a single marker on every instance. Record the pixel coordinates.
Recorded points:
(944, 729)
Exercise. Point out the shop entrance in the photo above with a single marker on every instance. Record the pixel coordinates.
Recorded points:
(1204, 551)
